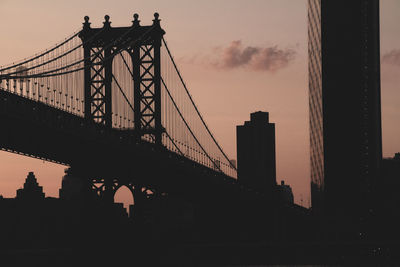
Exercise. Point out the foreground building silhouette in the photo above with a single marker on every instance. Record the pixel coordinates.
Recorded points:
(81, 221)
(33, 221)
(31, 189)
(345, 112)
(388, 200)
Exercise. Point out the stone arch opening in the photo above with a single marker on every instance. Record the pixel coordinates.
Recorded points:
(124, 195)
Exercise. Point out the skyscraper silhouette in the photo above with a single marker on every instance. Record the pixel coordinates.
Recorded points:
(256, 153)
(345, 111)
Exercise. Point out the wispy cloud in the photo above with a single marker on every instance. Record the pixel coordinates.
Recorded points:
(254, 58)
(392, 57)
(236, 55)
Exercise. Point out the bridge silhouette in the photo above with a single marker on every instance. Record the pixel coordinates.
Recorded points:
(111, 103)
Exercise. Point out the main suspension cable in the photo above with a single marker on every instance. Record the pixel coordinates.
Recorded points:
(50, 73)
(58, 57)
(187, 126)
(194, 105)
(42, 54)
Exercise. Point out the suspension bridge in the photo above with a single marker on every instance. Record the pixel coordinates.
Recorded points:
(111, 103)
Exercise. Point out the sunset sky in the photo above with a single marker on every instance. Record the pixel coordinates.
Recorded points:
(236, 57)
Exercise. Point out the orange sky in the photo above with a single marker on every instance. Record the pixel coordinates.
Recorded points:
(200, 33)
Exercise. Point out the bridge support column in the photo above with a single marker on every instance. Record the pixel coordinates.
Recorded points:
(87, 72)
(135, 53)
(98, 73)
(146, 61)
(107, 85)
(157, 89)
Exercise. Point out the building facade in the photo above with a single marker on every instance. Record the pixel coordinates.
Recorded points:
(256, 164)
(344, 104)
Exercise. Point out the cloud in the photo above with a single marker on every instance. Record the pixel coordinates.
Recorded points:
(235, 55)
(252, 57)
(392, 57)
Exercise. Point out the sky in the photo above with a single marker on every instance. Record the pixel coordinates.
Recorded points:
(236, 57)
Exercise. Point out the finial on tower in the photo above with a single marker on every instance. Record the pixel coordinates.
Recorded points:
(156, 20)
(135, 19)
(107, 22)
(86, 24)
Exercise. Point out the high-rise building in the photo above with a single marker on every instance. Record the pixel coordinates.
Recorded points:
(388, 199)
(344, 101)
(256, 152)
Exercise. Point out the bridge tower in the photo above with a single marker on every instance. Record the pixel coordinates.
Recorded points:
(100, 46)
(143, 44)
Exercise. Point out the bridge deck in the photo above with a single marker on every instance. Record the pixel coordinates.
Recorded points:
(38, 130)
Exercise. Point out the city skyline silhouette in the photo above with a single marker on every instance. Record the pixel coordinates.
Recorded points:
(151, 108)
(257, 89)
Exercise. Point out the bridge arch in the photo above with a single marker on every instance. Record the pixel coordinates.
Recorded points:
(124, 194)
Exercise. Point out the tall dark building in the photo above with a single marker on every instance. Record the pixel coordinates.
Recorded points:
(345, 110)
(256, 152)
(389, 199)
